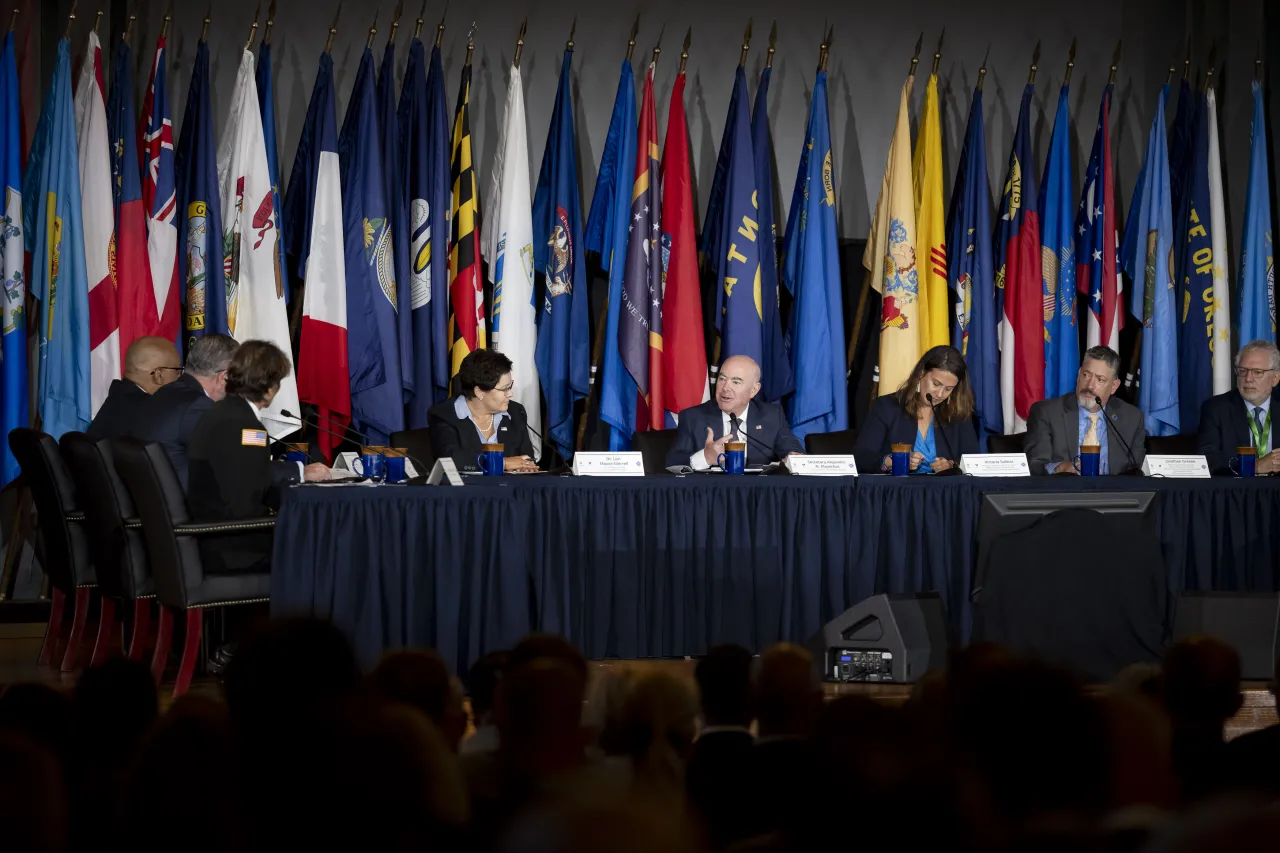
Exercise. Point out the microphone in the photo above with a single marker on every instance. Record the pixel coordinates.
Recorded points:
(748, 437)
(955, 468)
(364, 440)
(1124, 442)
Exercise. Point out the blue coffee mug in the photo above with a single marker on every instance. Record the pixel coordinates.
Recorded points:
(734, 458)
(298, 453)
(394, 466)
(1090, 460)
(370, 462)
(1245, 462)
(490, 460)
(901, 456)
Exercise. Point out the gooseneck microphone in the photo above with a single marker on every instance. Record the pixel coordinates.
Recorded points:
(955, 469)
(746, 436)
(1124, 442)
(364, 440)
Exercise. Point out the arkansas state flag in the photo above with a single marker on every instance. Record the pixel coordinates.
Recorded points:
(159, 198)
(255, 292)
(313, 210)
(99, 225)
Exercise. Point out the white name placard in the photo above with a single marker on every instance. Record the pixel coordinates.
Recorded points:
(345, 460)
(444, 471)
(1190, 466)
(995, 464)
(832, 465)
(590, 464)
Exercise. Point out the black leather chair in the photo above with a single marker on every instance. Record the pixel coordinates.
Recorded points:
(829, 443)
(418, 443)
(1183, 444)
(1016, 443)
(181, 583)
(66, 557)
(115, 533)
(654, 445)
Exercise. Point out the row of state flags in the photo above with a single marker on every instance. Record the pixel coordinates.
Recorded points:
(381, 226)
(1017, 291)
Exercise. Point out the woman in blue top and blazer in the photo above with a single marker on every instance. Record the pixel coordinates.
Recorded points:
(932, 412)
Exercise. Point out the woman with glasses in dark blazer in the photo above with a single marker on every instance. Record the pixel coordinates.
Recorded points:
(483, 413)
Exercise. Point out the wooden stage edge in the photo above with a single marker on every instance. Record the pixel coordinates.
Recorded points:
(20, 643)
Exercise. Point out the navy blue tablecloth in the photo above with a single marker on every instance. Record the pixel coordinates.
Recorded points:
(668, 566)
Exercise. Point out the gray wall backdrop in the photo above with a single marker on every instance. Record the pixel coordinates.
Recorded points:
(869, 60)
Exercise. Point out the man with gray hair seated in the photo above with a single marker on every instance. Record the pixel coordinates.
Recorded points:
(172, 412)
(1242, 417)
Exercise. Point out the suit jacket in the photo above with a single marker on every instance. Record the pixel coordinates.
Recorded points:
(232, 476)
(1224, 426)
(121, 412)
(1053, 433)
(888, 423)
(170, 416)
(457, 437)
(769, 438)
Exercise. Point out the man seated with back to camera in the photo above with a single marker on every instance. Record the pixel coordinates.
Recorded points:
(734, 414)
(150, 363)
(1058, 427)
(1242, 417)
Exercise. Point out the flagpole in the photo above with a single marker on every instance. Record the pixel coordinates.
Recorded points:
(71, 19)
(253, 30)
(982, 69)
(597, 350)
(333, 29)
(773, 45)
(417, 26)
(271, 19)
(1071, 64)
(573, 28)
(128, 28)
(395, 22)
(746, 45)
(440, 28)
(97, 21)
(1035, 64)
(373, 31)
(684, 52)
(937, 54)
(204, 27)
(515, 59)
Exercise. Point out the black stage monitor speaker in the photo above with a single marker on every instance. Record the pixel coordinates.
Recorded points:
(885, 638)
(1247, 620)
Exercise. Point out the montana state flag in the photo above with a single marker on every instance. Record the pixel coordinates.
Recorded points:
(466, 290)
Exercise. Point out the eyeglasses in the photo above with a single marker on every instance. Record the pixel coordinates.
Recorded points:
(1255, 372)
(507, 390)
(158, 369)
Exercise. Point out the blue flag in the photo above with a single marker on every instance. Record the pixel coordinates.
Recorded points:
(1257, 257)
(1194, 264)
(734, 253)
(1147, 254)
(607, 234)
(564, 329)
(776, 380)
(396, 194)
(1057, 260)
(267, 103)
(971, 276)
(200, 256)
(811, 270)
(1182, 141)
(377, 404)
(13, 348)
(58, 278)
(424, 152)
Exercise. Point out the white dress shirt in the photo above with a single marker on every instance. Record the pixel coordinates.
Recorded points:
(698, 461)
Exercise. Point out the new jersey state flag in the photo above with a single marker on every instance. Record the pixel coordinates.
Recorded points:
(99, 226)
(58, 282)
(160, 199)
(255, 290)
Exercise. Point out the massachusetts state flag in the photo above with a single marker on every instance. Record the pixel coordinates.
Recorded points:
(1097, 243)
(160, 200)
(313, 209)
(13, 349)
(99, 226)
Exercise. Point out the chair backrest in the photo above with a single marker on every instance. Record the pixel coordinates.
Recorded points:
(67, 559)
(654, 445)
(1183, 444)
(840, 442)
(123, 570)
(157, 494)
(418, 443)
(1016, 443)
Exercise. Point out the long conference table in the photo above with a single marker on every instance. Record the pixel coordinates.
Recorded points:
(668, 566)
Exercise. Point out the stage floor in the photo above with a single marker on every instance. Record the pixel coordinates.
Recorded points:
(20, 643)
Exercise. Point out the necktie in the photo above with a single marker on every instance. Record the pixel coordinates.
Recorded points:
(1264, 440)
(735, 426)
(1091, 434)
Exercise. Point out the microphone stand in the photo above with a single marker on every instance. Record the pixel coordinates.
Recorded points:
(1132, 469)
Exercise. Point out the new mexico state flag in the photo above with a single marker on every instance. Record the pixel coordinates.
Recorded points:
(931, 251)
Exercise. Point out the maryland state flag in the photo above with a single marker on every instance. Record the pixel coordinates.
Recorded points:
(890, 258)
(466, 289)
(926, 177)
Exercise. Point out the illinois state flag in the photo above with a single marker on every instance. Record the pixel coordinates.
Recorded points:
(509, 249)
(467, 331)
(1257, 255)
(99, 226)
(255, 289)
(313, 209)
(1097, 243)
(160, 199)
(926, 172)
(58, 281)
(890, 258)
(14, 380)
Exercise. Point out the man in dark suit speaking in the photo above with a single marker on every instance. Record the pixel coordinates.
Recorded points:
(733, 415)
(1090, 415)
(170, 415)
(1242, 418)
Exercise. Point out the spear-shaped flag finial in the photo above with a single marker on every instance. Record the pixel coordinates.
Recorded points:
(1115, 63)
(524, 26)
(824, 52)
(937, 54)
(1035, 64)
(71, 19)
(915, 58)
(395, 21)
(417, 25)
(333, 29)
(573, 28)
(168, 17)
(982, 69)
(257, 13)
(271, 19)
(373, 31)
(773, 45)
(631, 43)
(746, 44)
(204, 25)
(657, 48)
(1071, 63)
(684, 52)
(440, 26)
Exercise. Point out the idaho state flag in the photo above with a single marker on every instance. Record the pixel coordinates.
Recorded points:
(140, 303)
(640, 323)
(160, 199)
(1017, 253)
(467, 331)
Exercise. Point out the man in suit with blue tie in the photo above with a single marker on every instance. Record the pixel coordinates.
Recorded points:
(1242, 417)
(733, 414)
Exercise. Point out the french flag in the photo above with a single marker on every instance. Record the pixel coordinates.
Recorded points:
(159, 199)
